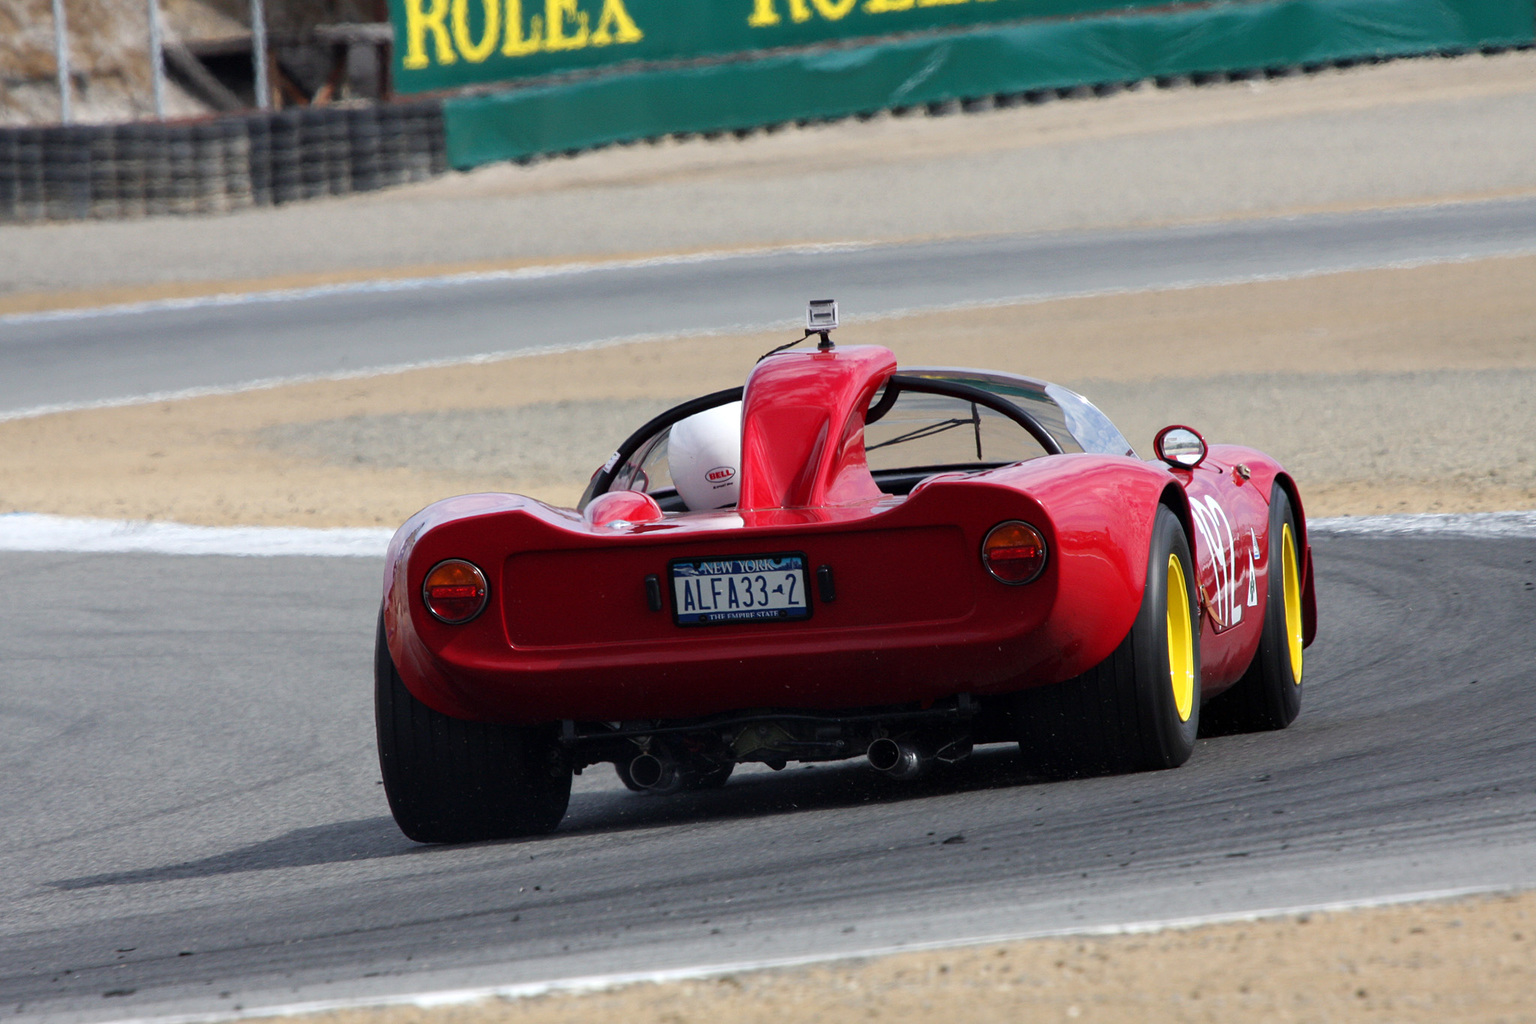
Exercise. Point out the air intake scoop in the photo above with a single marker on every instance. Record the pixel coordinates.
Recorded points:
(802, 442)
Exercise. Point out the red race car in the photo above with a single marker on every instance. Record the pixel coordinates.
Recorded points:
(841, 559)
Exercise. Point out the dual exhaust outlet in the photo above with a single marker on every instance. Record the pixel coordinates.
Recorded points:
(648, 771)
(900, 759)
(903, 759)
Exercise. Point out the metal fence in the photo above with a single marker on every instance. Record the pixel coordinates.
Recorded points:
(149, 168)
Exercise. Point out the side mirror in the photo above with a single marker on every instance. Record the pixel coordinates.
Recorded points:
(1180, 447)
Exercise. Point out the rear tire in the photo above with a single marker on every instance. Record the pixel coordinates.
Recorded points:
(453, 781)
(1139, 708)
(1268, 696)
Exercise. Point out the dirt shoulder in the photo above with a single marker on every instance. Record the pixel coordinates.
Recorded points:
(1400, 390)
(1411, 131)
(1468, 961)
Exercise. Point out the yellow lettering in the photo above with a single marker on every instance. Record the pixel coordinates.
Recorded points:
(418, 23)
(472, 51)
(615, 25)
(766, 12)
(516, 45)
(555, 14)
(762, 14)
(833, 10)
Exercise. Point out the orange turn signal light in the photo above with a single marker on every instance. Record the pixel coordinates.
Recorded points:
(455, 591)
(1014, 553)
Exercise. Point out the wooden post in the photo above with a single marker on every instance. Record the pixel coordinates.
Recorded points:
(157, 58)
(61, 58)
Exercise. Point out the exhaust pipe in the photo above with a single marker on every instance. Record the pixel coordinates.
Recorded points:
(650, 772)
(955, 750)
(896, 759)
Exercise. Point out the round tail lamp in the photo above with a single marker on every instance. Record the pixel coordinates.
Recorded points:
(1014, 553)
(454, 591)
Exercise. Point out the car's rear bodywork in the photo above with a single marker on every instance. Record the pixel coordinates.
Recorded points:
(583, 625)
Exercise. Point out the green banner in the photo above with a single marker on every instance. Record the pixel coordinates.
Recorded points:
(444, 44)
(937, 67)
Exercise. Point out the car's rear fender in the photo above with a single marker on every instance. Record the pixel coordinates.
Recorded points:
(1101, 510)
(568, 634)
(916, 617)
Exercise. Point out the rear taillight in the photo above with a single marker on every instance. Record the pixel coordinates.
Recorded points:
(1014, 552)
(454, 591)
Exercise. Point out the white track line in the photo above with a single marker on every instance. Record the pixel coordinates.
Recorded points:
(1461, 524)
(265, 383)
(25, 531)
(406, 284)
(29, 531)
(605, 982)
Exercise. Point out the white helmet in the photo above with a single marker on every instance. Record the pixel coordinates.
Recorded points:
(704, 455)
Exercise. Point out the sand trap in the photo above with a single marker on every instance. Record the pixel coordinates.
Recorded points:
(1406, 390)
(1467, 961)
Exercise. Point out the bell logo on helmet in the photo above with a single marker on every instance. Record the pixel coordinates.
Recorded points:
(721, 475)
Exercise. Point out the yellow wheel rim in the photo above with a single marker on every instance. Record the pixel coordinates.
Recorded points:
(1181, 640)
(1291, 580)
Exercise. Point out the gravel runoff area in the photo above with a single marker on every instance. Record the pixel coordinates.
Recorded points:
(1403, 390)
(1410, 131)
(1467, 960)
(1391, 390)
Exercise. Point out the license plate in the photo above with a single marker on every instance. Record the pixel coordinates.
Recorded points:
(744, 588)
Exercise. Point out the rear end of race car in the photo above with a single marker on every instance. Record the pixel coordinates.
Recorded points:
(678, 649)
(818, 620)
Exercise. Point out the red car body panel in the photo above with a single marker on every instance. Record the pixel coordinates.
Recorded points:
(569, 632)
(802, 428)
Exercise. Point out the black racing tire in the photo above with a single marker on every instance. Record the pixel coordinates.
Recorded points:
(1138, 709)
(1268, 696)
(454, 781)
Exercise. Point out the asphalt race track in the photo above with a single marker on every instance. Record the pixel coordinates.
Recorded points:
(52, 360)
(190, 819)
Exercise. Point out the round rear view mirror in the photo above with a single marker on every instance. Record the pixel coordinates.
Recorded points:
(1180, 446)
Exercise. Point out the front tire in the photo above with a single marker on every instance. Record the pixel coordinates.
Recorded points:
(1268, 696)
(453, 781)
(1138, 709)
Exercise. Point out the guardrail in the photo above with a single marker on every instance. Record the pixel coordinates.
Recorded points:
(215, 166)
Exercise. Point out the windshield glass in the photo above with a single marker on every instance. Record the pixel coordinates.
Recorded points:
(1075, 423)
(938, 430)
(647, 469)
(1091, 427)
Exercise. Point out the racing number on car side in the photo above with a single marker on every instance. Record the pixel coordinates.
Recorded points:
(1234, 559)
